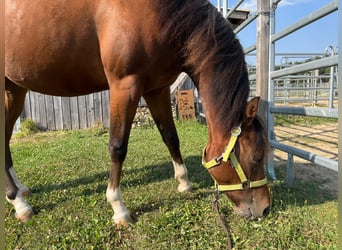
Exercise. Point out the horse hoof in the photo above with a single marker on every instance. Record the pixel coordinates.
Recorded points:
(184, 188)
(25, 216)
(123, 222)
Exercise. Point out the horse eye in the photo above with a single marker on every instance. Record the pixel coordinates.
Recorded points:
(257, 158)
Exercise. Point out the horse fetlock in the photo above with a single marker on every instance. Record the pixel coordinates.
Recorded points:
(23, 210)
(181, 174)
(121, 214)
(184, 184)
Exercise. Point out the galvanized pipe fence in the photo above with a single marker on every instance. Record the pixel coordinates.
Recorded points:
(274, 76)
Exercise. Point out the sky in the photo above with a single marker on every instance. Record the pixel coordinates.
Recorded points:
(314, 38)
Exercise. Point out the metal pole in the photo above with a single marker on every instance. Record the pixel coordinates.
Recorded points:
(270, 124)
(225, 7)
(219, 6)
(263, 52)
(331, 82)
(340, 114)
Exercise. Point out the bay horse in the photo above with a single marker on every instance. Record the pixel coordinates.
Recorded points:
(137, 49)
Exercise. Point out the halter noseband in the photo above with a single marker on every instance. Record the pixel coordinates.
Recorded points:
(229, 154)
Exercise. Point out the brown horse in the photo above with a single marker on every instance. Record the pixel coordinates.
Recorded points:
(134, 49)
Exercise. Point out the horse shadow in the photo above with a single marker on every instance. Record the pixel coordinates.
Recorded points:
(131, 178)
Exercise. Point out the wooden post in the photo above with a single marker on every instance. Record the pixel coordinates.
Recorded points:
(262, 52)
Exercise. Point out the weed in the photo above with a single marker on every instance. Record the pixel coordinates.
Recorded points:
(27, 127)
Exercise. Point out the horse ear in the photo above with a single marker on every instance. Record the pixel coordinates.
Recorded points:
(251, 110)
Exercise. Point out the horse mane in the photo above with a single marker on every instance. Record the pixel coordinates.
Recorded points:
(207, 43)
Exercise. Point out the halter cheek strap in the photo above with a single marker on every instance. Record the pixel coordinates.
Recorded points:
(229, 154)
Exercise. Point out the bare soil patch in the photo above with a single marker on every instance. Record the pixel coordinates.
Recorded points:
(319, 139)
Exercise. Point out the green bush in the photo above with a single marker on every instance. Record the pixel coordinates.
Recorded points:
(27, 127)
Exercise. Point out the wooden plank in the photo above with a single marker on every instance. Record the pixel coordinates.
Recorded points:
(66, 117)
(26, 113)
(42, 111)
(97, 107)
(90, 110)
(75, 122)
(82, 111)
(50, 113)
(35, 108)
(57, 103)
(105, 108)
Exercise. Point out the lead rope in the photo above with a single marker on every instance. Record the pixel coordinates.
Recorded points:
(215, 205)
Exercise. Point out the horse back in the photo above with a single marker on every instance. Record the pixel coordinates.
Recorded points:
(75, 47)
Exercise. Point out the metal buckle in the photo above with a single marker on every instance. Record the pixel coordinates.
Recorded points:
(219, 159)
(245, 185)
(236, 131)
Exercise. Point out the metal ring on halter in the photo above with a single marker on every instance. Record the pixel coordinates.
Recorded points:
(236, 131)
(219, 159)
(245, 184)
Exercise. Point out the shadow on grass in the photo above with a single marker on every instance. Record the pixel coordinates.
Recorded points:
(132, 178)
(300, 193)
(283, 196)
(135, 177)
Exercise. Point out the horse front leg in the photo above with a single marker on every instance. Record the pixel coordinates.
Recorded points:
(159, 103)
(123, 104)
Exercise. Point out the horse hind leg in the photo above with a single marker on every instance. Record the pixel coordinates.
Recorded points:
(23, 211)
(25, 191)
(159, 103)
(14, 101)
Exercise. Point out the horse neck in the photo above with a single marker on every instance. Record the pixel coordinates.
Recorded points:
(216, 130)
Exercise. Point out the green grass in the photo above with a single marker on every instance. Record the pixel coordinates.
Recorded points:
(67, 172)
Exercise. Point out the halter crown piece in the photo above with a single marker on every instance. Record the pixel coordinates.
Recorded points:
(229, 154)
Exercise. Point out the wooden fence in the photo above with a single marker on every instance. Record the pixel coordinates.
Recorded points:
(55, 113)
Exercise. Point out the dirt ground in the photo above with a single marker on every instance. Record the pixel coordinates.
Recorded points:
(318, 139)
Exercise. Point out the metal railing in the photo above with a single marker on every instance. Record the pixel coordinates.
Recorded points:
(277, 76)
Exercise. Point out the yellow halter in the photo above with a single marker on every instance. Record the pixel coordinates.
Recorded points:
(230, 154)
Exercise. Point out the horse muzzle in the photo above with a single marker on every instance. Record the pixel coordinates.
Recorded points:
(252, 211)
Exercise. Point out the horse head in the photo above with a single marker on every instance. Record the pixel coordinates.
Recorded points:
(239, 170)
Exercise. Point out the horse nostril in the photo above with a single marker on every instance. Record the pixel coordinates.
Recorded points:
(266, 211)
